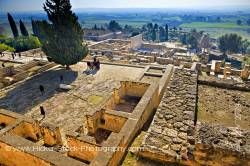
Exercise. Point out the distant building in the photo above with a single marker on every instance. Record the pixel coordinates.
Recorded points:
(99, 35)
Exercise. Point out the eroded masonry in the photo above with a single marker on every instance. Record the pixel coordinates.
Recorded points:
(175, 110)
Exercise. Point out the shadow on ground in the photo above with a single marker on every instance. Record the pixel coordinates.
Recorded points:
(27, 95)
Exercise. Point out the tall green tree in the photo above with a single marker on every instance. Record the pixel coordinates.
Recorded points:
(23, 29)
(183, 38)
(34, 27)
(192, 41)
(13, 25)
(162, 34)
(231, 43)
(156, 26)
(239, 22)
(114, 26)
(245, 46)
(62, 37)
(166, 28)
(153, 34)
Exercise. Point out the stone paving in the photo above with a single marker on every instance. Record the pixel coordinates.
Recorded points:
(65, 109)
(22, 59)
(172, 131)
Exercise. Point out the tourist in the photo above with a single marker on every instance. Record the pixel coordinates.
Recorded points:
(13, 55)
(96, 63)
(90, 66)
(42, 111)
(41, 89)
(61, 78)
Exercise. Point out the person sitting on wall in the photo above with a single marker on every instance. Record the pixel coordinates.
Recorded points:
(96, 64)
(90, 66)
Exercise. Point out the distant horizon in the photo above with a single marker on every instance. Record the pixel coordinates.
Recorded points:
(94, 9)
(190, 5)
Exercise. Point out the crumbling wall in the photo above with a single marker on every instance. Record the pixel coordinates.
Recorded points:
(27, 130)
(112, 121)
(218, 145)
(83, 148)
(51, 135)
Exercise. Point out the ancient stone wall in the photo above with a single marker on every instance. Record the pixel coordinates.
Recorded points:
(171, 133)
(226, 84)
(28, 153)
(83, 148)
(142, 112)
(221, 145)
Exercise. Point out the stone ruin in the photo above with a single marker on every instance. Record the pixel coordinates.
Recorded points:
(10, 75)
(166, 94)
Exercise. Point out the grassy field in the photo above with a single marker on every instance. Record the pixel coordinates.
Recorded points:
(218, 29)
(224, 25)
(214, 29)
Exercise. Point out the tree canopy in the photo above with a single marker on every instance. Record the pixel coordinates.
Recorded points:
(114, 26)
(61, 37)
(231, 43)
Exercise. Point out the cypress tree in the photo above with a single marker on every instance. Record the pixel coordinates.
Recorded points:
(166, 28)
(34, 28)
(13, 25)
(23, 29)
(62, 37)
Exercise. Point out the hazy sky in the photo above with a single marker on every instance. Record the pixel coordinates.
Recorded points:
(29, 5)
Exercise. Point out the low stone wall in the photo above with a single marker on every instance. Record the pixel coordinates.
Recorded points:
(20, 76)
(27, 130)
(171, 134)
(27, 66)
(153, 46)
(28, 153)
(113, 121)
(164, 61)
(51, 135)
(46, 67)
(83, 148)
(31, 53)
(225, 84)
(7, 71)
(18, 137)
(7, 118)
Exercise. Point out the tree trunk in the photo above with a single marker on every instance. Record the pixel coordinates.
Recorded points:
(67, 67)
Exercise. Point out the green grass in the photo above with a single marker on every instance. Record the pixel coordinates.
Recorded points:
(135, 23)
(226, 25)
(218, 29)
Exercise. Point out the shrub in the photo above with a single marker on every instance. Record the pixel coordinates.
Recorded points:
(4, 47)
(23, 43)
